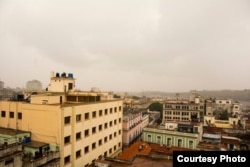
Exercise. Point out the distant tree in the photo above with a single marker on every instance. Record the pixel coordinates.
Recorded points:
(135, 97)
(224, 115)
(156, 106)
(116, 96)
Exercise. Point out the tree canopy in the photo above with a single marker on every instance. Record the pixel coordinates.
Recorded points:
(156, 106)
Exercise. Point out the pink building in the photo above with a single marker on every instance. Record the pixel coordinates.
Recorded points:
(132, 127)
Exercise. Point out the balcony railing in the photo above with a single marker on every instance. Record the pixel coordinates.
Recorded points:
(49, 157)
(8, 149)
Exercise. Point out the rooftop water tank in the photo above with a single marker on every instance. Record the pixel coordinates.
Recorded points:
(70, 75)
(63, 74)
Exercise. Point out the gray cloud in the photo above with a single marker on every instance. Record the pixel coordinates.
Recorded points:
(161, 45)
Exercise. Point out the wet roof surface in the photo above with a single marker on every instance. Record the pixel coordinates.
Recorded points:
(35, 144)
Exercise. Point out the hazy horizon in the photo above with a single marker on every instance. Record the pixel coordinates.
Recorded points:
(127, 46)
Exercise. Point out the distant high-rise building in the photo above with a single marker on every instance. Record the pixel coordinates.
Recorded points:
(34, 85)
(1, 85)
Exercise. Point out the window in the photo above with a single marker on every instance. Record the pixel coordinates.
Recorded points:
(120, 132)
(106, 125)
(115, 121)
(3, 114)
(179, 143)
(110, 136)
(78, 117)
(115, 134)
(111, 110)
(119, 144)
(100, 127)
(149, 138)
(110, 150)
(78, 135)
(100, 142)
(106, 111)
(120, 120)
(191, 144)
(93, 146)
(105, 139)
(66, 139)
(100, 113)
(93, 130)
(114, 148)
(86, 116)
(110, 123)
(94, 114)
(115, 109)
(86, 149)
(78, 153)
(19, 115)
(169, 141)
(86, 133)
(67, 159)
(159, 139)
(11, 114)
(120, 108)
(67, 120)
(70, 86)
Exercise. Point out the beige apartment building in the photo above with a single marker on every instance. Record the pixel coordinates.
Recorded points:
(81, 125)
(178, 109)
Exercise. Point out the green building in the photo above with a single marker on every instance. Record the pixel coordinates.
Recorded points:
(185, 136)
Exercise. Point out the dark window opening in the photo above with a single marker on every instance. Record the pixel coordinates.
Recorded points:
(3, 114)
(11, 114)
(19, 115)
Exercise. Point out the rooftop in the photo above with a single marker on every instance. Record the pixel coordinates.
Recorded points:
(185, 123)
(135, 149)
(222, 125)
(211, 146)
(35, 144)
(11, 132)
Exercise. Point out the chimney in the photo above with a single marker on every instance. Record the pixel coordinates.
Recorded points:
(51, 74)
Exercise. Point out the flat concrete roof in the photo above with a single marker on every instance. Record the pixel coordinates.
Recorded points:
(11, 132)
(35, 144)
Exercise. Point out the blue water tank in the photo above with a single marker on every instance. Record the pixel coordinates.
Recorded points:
(26, 140)
(70, 75)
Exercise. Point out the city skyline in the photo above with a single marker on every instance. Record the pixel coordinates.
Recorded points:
(171, 46)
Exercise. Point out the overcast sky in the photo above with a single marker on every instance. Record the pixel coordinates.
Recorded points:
(129, 45)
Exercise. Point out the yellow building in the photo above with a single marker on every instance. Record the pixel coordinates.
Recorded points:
(80, 124)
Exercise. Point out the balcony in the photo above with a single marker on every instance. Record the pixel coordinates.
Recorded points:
(9, 149)
(46, 159)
